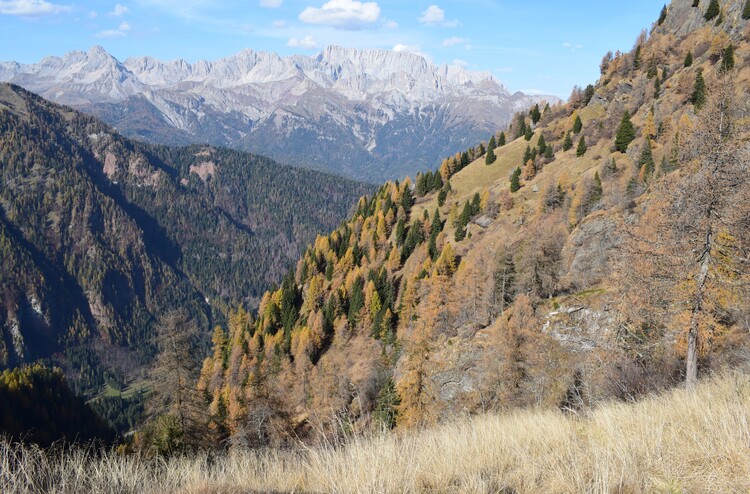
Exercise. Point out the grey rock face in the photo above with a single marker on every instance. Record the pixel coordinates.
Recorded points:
(589, 250)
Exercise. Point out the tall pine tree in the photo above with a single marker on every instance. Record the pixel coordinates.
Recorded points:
(582, 148)
(577, 125)
(490, 157)
(727, 59)
(713, 10)
(689, 58)
(662, 16)
(698, 98)
(625, 133)
(568, 142)
(515, 180)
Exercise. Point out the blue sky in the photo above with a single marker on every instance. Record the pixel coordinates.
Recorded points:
(533, 46)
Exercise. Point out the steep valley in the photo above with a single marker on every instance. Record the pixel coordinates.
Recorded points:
(101, 234)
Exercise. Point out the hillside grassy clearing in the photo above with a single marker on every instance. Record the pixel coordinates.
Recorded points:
(679, 442)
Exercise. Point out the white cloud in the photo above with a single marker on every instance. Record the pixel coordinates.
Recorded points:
(460, 63)
(119, 11)
(409, 48)
(93, 14)
(122, 30)
(570, 46)
(279, 24)
(455, 40)
(390, 24)
(416, 49)
(271, 4)
(435, 16)
(308, 43)
(343, 14)
(31, 7)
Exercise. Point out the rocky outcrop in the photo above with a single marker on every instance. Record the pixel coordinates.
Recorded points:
(589, 249)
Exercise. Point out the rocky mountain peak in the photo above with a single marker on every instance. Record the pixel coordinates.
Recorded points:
(375, 108)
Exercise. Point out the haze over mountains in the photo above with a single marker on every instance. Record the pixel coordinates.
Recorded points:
(367, 114)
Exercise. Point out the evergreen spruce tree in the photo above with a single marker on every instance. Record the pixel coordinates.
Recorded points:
(625, 133)
(727, 59)
(689, 58)
(698, 98)
(541, 144)
(657, 87)
(400, 232)
(520, 125)
(476, 202)
(588, 93)
(463, 220)
(492, 144)
(746, 11)
(407, 201)
(442, 196)
(386, 405)
(529, 134)
(526, 155)
(432, 249)
(437, 182)
(501, 139)
(535, 114)
(549, 153)
(515, 180)
(662, 16)
(568, 142)
(646, 161)
(436, 226)
(713, 10)
(490, 157)
(577, 124)
(581, 149)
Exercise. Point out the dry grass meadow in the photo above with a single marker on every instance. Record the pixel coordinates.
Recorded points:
(675, 443)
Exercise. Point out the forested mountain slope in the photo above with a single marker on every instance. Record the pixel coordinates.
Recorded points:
(598, 250)
(99, 234)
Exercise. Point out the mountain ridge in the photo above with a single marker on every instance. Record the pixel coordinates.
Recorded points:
(383, 114)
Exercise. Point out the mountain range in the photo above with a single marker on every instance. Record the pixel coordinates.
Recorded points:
(368, 114)
(100, 234)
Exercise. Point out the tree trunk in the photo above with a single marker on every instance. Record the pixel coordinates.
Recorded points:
(691, 371)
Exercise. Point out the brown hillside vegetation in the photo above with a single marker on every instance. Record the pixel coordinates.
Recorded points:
(606, 260)
(679, 442)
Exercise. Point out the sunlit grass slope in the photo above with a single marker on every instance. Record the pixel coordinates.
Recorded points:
(679, 442)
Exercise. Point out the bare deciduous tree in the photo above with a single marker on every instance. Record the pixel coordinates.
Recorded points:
(686, 258)
(174, 376)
